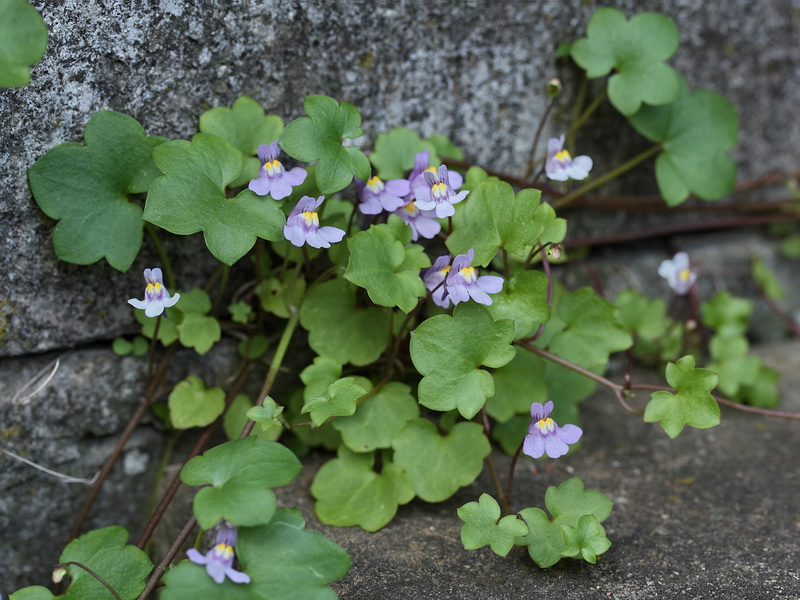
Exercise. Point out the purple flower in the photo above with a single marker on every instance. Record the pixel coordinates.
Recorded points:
(545, 436)
(463, 283)
(678, 273)
(219, 560)
(434, 277)
(156, 297)
(302, 225)
(436, 189)
(272, 178)
(377, 196)
(560, 166)
(422, 222)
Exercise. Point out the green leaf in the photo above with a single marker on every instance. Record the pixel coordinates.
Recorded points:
(34, 592)
(790, 247)
(86, 188)
(190, 197)
(105, 551)
(766, 280)
(570, 501)
(254, 347)
(587, 539)
(395, 151)
(691, 404)
(545, 541)
(283, 559)
(121, 347)
(319, 375)
(241, 312)
(475, 177)
(277, 295)
(240, 473)
(444, 148)
(732, 363)
(245, 126)
(23, 39)
(339, 400)
(696, 134)
(439, 465)
(349, 492)
(481, 526)
(192, 405)
(339, 330)
(378, 418)
(726, 314)
(195, 330)
(497, 218)
(523, 300)
(387, 266)
(636, 51)
(517, 385)
(554, 228)
(448, 351)
(642, 316)
(319, 137)
(168, 328)
(763, 392)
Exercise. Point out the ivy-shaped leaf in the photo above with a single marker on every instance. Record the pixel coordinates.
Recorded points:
(497, 218)
(192, 405)
(636, 51)
(23, 39)
(104, 551)
(278, 294)
(692, 403)
(395, 151)
(448, 351)
(726, 314)
(696, 134)
(731, 362)
(517, 385)
(283, 559)
(196, 329)
(766, 280)
(439, 465)
(570, 501)
(544, 541)
(339, 400)
(378, 418)
(554, 229)
(87, 187)
(190, 197)
(319, 137)
(339, 330)
(240, 473)
(245, 126)
(384, 263)
(642, 316)
(349, 492)
(587, 539)
(523, 300)
(482, 528)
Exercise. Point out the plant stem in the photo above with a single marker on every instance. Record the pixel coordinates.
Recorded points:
(512, 466)
(612, 174)
(158, 571)
(487, 429)
(162, 254)
(93, 574)
(578, 123)
(532, 154)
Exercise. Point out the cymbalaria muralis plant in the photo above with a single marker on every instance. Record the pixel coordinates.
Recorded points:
(425, 289)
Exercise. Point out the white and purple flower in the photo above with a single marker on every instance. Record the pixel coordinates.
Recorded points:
(422, 222)
(219, 560)
(377, 195)
(560, 166)
(272, 178)
(156, 297)
(678, 273)
(459, 282)
(302, 225)
(545, 436)
(436, 190)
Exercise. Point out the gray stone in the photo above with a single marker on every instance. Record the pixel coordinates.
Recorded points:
(473, 71)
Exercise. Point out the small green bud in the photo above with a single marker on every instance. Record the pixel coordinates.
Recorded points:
(554, 88)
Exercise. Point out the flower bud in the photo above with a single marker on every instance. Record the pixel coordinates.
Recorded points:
(553, 88)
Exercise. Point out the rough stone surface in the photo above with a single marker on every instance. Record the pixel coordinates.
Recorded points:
(472, 70)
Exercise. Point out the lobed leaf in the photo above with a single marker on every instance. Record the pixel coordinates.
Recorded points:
(192, 405)
(482, 528)
(23, 40)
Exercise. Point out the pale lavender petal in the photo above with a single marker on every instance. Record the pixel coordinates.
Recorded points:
(491, 284)
(537, 411)
(458, 293)
(443, 209)
(263, 153)
(296, 176)
(533, 446)
(136, 303)
(370, 206)
(455, 179)
(157, 276)
(260, 186)
(331, 234)
(153, 309)
(440, 297)
(390, 202)
(216, 569)
(555, 145)
(548, 406)
(680, 261)
(428, 228)
(581, 165)
(666, 269)
(479, 296)
(554, 447)
(557, 173)
(196, 557)
(459, 197)
(237, 576)
(294, 234)
(569, 433)
(315, 240)
(280, 188)
(398, 187)
(167, 302)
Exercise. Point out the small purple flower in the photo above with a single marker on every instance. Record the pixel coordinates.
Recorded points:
(463, 283)
(434, 277)
(272, 178)
(302, 225)
(436, 189)
(156, 297)
(219, 560)
(422, 222)
(678, 273)
(377, 195)
(545, 436)
(560, 166)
